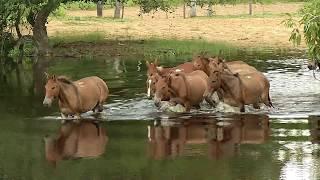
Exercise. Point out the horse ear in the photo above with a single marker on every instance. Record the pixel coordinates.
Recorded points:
(156, 62)
(53, 77)
(147, 63)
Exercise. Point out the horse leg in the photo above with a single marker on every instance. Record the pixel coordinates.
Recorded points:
(210, 101)
(242, 108)
(187, 105)
(256, 106)
(197, 106)
(100, 107)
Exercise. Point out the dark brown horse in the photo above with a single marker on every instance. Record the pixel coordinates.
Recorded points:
(154, 71)
(76, 97)
(239, 89)
(76, 140)
(187, 89)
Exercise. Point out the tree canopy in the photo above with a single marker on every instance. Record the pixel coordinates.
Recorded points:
(311, 28)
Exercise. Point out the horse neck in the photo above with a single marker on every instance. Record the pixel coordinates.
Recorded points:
(186, 86)
(72, 99)
(207, 69)
(226, 78)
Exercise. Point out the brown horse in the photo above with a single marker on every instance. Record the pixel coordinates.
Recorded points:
(187, 89)
(239, 89)
(202, 63)
(75, 140)
(76, 97)
(154, 71)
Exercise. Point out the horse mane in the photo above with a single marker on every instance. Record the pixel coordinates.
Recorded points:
(64, 79)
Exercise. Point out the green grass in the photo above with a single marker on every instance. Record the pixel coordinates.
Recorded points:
(246, 16)
(93, 37)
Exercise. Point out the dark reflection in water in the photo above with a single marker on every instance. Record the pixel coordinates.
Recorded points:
(76, 140)
(314, 123)
(206, 136)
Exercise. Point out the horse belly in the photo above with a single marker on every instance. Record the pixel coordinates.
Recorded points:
(89, 94)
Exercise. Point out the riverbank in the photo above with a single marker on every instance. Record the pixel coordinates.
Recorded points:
(230, 25)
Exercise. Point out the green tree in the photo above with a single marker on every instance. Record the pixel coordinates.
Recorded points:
(311, 28)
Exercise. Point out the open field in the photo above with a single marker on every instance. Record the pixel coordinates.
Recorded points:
(231, 25)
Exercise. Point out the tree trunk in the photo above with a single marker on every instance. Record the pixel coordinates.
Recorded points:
(99, 8)
(40, 33)
(184, 10)
(250, 7)
(38, 20)
(117, 10)
(122, 14)
(193, 10)
(210, 11)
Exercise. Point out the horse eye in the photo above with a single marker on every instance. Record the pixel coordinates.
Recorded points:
(151, 74)
(53, 88)
(177, 74)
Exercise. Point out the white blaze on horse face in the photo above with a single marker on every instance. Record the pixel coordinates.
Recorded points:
(149, 88)
(178, 70)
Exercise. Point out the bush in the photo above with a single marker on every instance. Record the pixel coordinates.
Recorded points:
(60, 12)
(81, 5)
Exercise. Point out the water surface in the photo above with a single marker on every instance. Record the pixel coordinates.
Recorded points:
(133, 140)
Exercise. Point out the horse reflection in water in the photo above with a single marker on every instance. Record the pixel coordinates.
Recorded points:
(76, 140)
(207, 136)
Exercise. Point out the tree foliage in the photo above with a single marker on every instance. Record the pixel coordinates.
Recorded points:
(311, 28)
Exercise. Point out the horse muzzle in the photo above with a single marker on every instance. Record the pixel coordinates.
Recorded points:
(47, 101)
(157, 101)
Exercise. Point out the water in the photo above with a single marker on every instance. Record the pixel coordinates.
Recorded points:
(133, 140)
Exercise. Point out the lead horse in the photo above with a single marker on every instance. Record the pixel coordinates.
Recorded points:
(76, 97)
(154, 72)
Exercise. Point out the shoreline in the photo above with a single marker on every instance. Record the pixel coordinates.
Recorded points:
(81, 33)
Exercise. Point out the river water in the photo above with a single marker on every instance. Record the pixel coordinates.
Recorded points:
(132, 140)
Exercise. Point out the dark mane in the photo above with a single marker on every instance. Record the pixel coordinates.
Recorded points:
(64, 79)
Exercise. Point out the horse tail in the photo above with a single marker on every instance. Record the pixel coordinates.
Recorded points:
(269, 101)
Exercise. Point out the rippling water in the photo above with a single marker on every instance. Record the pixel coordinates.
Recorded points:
(133, 140)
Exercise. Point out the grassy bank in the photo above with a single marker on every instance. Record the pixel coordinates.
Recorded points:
(95, 44)
(80, 32)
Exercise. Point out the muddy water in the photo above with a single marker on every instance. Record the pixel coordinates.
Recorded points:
(132, 140)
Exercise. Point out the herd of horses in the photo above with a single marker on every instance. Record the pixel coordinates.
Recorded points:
(235, 83)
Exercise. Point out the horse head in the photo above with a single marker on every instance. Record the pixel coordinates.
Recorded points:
(52, 90)
(151, 84)
(162, 90)
(200, 62)
(152, 68)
